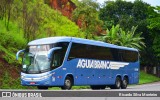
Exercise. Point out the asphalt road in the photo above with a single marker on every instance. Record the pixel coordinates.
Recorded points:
(145, 87)
(78, 94)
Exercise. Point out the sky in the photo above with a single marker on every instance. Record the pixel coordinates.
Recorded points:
(151, 2)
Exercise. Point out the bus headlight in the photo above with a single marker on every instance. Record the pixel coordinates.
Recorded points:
(22, 76)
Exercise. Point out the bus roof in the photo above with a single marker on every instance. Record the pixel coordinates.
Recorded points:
(51, 40)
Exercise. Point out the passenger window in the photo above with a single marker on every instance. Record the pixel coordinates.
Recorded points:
(101, 53)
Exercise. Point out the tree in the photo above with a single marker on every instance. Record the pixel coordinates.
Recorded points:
(119, 37)
(125, 13)
(154, 29)
(112, 35)
(116, 12)
(5, 11)
(139, 14)
(31, 18)
(87, 13)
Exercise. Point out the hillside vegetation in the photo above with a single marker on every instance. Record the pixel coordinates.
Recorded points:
(28, 20)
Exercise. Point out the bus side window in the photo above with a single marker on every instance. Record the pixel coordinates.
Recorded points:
(130, 56)
(57, 58)
(115, 54)
(77, 51)
(120, 55)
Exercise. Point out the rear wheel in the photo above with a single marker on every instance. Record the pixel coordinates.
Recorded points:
(42, 87)
(97, 87)
(67, 83)
(117, 84)
(124, 83)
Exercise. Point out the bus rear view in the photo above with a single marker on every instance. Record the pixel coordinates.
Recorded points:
(63, 62)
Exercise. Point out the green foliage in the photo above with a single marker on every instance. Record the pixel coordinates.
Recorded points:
(7, 82)
(147, 78)
(75, 1)
(156, 46)
(140, 14)
(112, 35)
(119, 37)
(74, 88)
(130, 39)
(125, 13)
(28, 20)
(5, 11)
(9, 56)
(116, 12)
(39, 20)
(13, 37)
(10, 42)
(154, 28)
(87, 13)
(32, 19)
(81, 87)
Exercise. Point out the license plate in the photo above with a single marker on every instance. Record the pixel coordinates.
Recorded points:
(32, 83)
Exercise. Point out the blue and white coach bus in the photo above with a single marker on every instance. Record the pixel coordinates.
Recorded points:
(68, 61)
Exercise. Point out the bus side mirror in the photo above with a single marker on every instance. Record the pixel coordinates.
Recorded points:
(50, 52)
(17, 55)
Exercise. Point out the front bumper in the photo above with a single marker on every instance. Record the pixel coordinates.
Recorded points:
(46, 79)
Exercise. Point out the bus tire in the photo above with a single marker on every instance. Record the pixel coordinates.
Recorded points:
(117, 84)
(67, 83)
(42, 87)
(124, 83)
(97, 87)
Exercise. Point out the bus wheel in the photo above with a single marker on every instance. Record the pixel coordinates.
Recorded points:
(124, 83)
(117, 84)
(42, 87)
(67, 83)
(94, 87)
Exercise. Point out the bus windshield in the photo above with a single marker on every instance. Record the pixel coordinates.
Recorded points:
(35, 59)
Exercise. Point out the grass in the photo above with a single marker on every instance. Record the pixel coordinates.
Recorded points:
(7, 82)
(73, 88)
(147, 78)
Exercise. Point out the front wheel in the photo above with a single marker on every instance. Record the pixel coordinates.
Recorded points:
(67, 83)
